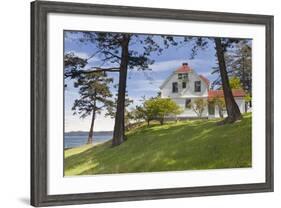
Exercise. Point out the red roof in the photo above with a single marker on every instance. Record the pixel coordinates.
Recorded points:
(219, 93)
(184, 68)
(204, 79)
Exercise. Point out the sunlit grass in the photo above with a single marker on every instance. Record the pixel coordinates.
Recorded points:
(185, 145)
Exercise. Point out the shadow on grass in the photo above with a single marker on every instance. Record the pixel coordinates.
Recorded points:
(174, 146)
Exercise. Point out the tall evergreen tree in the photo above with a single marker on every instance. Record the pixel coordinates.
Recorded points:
(94, 96)
(233, 112)
(238, 64)
(242, 65)
(221, 46)
(117, 51)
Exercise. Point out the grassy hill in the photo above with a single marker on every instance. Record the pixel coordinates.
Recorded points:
(186, 145)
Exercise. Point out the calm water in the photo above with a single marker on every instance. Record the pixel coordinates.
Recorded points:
(78, 140)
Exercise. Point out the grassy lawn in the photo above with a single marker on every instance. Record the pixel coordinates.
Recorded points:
(186, 145)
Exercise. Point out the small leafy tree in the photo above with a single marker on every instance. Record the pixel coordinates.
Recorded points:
(149, 111)
(235, 83)
(94, 96)
(159, 108)
(198, 106)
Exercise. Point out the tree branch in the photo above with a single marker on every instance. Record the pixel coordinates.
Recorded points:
(98, 69)
(112, 54)
(91, 56)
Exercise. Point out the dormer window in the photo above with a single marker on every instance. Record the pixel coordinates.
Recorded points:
(197, 86)
(183, 76)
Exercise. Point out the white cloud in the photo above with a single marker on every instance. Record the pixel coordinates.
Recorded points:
(145, 85)
(166, 65)
(172, 65)
(84, 55)
(81, 54)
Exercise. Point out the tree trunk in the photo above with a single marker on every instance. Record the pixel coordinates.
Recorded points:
(119, 126)
(91, 132)
(232, 109)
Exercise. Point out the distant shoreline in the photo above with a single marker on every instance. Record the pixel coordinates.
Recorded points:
(83, 133)
(78, 138)
(93, 144)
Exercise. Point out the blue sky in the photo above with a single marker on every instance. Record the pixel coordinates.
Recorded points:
(138, 84)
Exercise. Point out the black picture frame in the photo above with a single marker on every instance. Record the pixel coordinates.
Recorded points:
(39, 98)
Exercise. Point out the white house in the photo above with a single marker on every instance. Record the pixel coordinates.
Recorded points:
(184, 85)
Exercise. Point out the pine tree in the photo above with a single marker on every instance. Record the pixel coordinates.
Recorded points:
(238, 64)
(221, 46)
(94, 96)
(117, 51)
